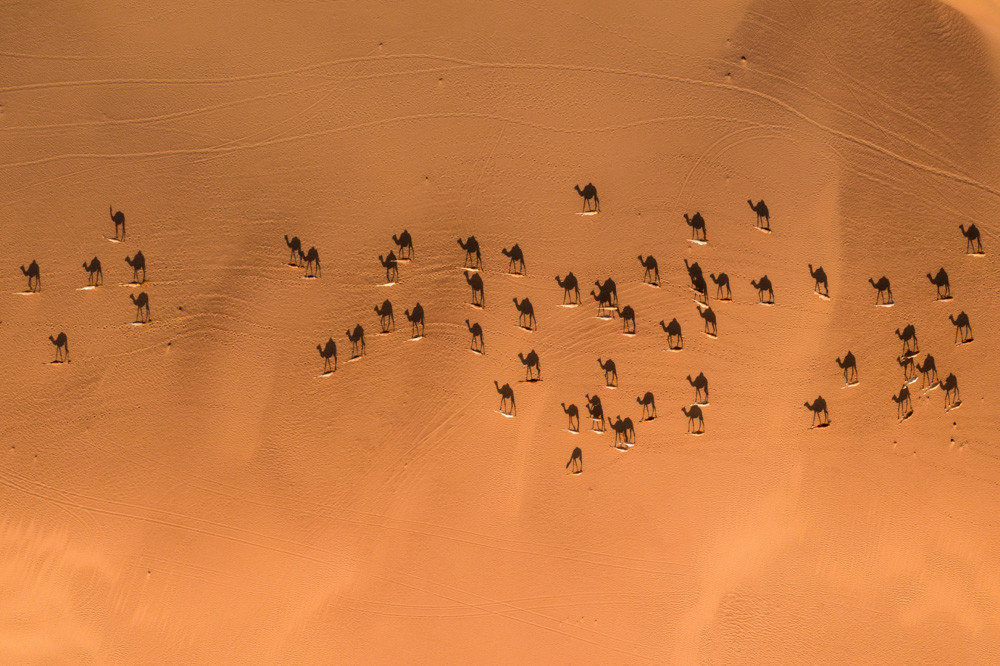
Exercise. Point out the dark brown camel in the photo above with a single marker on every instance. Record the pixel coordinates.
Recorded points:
(627, 315)
(700, 384)
(416, 319)
(405, 244)
(589, 192)
(327, 352)
(576, 460)
(950, 386)
(884, 290)
(763, 215)
(574, 417)
(391, 267)
(962, 326)
(973, 244)
(610, 372)
(357, 338)
(697, 224)
(471, 247)
(386, 316)
(610, 288)
(940, 280)
(311, 259)
(850, 367)
(515, 259)
(530, 362)
(34, 276)
(525, 313)
(675, 339)
(94, 274)
(62, 347)
(652, 272)
(477, 334)
(818, 409)
(648, 406)
(570, 287)
(624, 430)
(694, 412)
(903, 405)
(909, 338)
(721, 282)
(928, 371)
(119, 220)
(763, 285)
(819, 277)
(596, 411)
(507, 405)
(710, 324)
(906, 363)
(138, 263)
(294, 248)
(475, 281)
(141, 303)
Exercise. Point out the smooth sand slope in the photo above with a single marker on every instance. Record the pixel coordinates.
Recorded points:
(194, 490)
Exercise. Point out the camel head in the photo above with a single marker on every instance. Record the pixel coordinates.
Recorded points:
(496, 385)
(516, 304)
(898, 334)
(578, 190)
(872, 283)
(751, 204)
(688, 220)
(520, 357)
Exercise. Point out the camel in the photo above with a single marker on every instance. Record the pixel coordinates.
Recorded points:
(471, 247)
(694, 271)
(357, 338)
(928, 371)
(908, 336)
(694, 412)
(405, 244)
(883, 288)
(477, 334)
(385, 316)
(570, 287)
(589, 192)
(722, 281)
(327, 352)
(627, 315)
(903, 405)
(507, 405)
(652, 272)
(526, 312)
(762, 285)
(950, 385)
(610, 288)
(906, 363)
(675, 340)
(138, 263)
(701, 287)
(940, 280)
(531, 361)
(416, 320)
(94, 274)
(763, 215)
(596, 411)
(818, 409)
(603, 302)
(573, 415)
(697, 224)
(311, 259)
(710, 324)
(962, 326)
(391, 267)
(700, 384)
(971, 237)
(34, 276)
(119, 220)
(62, 347)
(515, 259)
(624, 430)
(576, 460)
(648, 406)
(850, 367)
(819, 276)
(141, 303)
(610, 372)
(475, 281)
(294, 248)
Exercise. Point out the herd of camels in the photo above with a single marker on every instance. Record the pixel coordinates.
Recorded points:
(605, 297)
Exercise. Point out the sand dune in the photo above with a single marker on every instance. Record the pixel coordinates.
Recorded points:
(198, 489)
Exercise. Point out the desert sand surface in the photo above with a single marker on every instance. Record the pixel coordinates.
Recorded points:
(197, 490)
